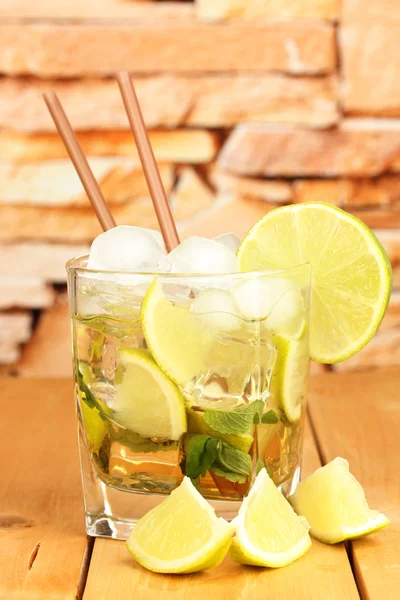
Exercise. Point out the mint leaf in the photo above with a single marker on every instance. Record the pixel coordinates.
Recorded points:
(233, 477)
(87, 395)
(233, 460)
(238, 420)
(270, 417)
(200, 453)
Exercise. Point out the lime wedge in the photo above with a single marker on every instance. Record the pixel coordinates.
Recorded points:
(290, 375)
(268, 531)
(180, 535)
(334, 504)
(196, 424)
(351, 273)
(178, 340)
(147, 402)
(96, 428)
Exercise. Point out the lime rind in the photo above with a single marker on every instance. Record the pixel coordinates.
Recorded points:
(290, 375)
(178, 340)
(341, 323)
(276, 511)
(147, 401)
(163, 523)
(334, 504)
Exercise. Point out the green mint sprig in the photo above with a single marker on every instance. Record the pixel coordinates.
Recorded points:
(239, 420)
(205, 453)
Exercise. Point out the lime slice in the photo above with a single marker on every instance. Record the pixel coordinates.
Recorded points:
(178, 340)
(180, 535)
(196, 424)
(290, 375)
(351, 273)
(96, 428)
(268, 531)
(334, 504)
(147, 402)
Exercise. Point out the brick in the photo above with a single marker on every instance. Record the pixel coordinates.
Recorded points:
(44, 262)
(52, 337)
(333, 191)
(361, 11)
(105, 10)
(248, 187)
(24, 292)
(190, 196)
(382, 351)
(65, 224)
(173, 100)
(356, 148)
(371, 63)
(15, 329)
(227, 214)
(55, 183)
(180, 146)
(390, 240)
(265, 9)
(391, 319)
(78, 50)
(351, 193)
(73, 224)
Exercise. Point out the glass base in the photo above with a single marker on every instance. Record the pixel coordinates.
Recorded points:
(118, 511)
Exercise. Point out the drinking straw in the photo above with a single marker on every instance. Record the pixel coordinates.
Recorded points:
(152, 174)
(79, 161)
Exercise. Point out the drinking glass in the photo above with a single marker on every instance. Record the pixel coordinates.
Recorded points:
(225, 356)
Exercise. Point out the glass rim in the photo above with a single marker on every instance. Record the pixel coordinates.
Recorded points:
(74, 266)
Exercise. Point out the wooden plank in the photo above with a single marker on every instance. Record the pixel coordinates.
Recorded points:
(323, 573)
(357, 416)
(49, 50)
(43, 542)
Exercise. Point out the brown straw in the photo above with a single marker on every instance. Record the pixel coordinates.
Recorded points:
(157, 192)
(79, 160)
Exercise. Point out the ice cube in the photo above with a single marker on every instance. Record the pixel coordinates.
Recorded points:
(217, 309)
(276, 298)
(229, 240)
(201, 255)
(127, 248)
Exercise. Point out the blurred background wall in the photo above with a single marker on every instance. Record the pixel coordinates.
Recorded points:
(251, 104)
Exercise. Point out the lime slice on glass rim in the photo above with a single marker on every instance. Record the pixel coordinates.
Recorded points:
(180, 535)
(334, 503)
(268, 531)
(178, 340)
(147, 401)
(351, 273)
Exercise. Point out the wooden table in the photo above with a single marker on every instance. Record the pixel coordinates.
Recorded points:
(45, 554)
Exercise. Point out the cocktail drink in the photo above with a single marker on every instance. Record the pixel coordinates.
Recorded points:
(184, 366)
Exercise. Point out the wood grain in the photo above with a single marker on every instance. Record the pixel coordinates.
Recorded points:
(323, 573)
(357, 416)
(43, 542)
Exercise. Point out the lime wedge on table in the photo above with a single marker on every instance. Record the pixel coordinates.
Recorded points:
(147, 402)
(178, 340)
(290, 375)
(180, 535)
(334, 503)
(268, 531)
(351, 273)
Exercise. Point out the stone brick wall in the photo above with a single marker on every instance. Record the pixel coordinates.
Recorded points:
(251, 104)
